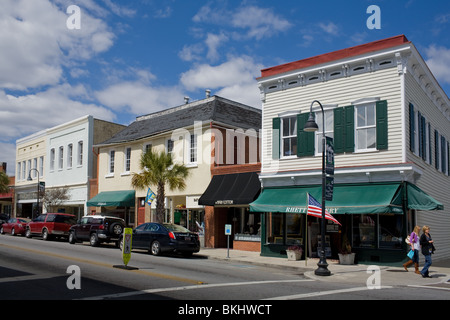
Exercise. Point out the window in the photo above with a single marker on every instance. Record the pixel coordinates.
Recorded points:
(24, 171)
(127, 159)
(69, 155)
(60, 158)
(19, 172)
(52, 159)
(169, 146)
(366, 128)
(112, 157)
(329, 129)
(289, 136)
(147, 148)
(80, 153)
(193, 148)
(41, 166)
(35, 174)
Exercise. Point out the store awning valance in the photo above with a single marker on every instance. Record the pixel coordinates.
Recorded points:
(123, 198)
(347, 198)
(231, 189)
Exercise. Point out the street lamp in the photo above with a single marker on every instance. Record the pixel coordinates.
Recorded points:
(38, 188)
(311, 126)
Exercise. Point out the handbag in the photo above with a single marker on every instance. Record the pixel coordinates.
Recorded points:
(410, 254)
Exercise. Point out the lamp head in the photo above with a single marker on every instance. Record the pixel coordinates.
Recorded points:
(311, 125)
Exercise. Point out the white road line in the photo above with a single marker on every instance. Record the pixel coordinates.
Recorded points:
(323, 293)
(25, 278)
(428, 287)
(194, 287)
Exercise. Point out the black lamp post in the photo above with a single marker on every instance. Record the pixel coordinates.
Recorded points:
(311, 126)
(38, 188)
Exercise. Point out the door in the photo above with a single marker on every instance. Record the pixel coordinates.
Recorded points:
(83, 229)
(38, 223)
(138, 240)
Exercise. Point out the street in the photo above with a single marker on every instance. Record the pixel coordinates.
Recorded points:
(32, 269)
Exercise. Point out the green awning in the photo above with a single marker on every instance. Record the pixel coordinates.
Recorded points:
(123, 198)
(364, 198)
(351, 198)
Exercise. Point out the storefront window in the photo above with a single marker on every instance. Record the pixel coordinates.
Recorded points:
(285, 229)
(364, 230)
(274, 232)
(390, 231)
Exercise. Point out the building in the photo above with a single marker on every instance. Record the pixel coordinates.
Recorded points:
(186, 131)
(59, 157)
(390, 121)
(7, 199)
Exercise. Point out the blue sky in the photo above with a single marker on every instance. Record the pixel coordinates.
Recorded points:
(130, 58)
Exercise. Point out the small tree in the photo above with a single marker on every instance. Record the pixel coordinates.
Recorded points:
(4, 182)
(158, 169)
(53, 198)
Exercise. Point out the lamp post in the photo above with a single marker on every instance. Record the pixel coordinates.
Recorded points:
(38, 188)
(311, 126)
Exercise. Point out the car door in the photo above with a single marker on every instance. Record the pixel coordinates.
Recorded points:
(138, 236)
(37, 224)
(84, 228)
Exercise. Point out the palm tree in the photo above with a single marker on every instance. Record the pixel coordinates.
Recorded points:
(158, 169)
(4, 182)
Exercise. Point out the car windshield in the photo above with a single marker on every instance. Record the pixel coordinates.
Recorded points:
(175, 227)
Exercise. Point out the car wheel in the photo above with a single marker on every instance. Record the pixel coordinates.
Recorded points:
(116, 229)
(72, 238)
(94, 240)
(155, 248)
(28, 233)
(45, 235)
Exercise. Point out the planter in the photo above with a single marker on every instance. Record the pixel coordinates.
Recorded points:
(347, 258)
(294, 255)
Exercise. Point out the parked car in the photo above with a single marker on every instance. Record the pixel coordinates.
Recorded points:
(97, 229)
(50, 225)
(159, 238)
(3, 218)
(15, 226)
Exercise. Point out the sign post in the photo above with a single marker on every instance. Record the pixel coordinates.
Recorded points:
(228, 234)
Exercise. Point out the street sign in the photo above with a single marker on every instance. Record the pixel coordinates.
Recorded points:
(228, 229)
(329, 188)
(126, 247)
(329, 151)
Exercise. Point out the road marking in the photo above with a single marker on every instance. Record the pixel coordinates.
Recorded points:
(429, 287)
(25, 278)
(322, 293)
(202, 286)
(106, 265)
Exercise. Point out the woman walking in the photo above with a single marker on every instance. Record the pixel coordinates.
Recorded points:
(427, 249)
(415, 246)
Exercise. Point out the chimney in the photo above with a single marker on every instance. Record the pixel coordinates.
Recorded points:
(208, 93)
(186, 100)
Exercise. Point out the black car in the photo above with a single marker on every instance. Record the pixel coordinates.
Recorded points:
(158, 238)
(97, 229)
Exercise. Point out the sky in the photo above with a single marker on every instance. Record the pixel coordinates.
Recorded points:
(117, 59)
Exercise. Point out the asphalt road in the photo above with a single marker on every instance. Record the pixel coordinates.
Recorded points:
(33, 269)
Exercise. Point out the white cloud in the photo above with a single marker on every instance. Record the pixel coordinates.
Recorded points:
(35, 43)
(330, 28)
(234, 79)
(439, 62)
(213, 42)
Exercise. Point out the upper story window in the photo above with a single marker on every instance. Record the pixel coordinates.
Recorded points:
(112, 158)
(69, 155)
(169, 146)
(127, 159)
(366, 128)
(193, 149)
(52, 159)
(61, 158)
(80, 153)
(329, 129)
(289, 136)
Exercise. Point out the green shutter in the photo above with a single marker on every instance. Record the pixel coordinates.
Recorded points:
(276, 125)
(436, 149)
(411, 128)
(349, 129)
(305, 140)
(382, 125)
(339, 130)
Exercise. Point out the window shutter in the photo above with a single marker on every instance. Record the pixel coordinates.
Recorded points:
(305, 140)
(430, 153)
(349, 129)
(339, 130)
(276, 125)
(411, 128)
(382, 125)
(436, 149)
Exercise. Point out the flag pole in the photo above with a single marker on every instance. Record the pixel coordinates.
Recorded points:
(306, 233)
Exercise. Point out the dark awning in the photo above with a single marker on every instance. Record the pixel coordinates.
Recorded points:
(231, 189)
(347, 198)
(123, 198)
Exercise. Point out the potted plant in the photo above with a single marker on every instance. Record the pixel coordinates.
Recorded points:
(294, 253)
(346, 256)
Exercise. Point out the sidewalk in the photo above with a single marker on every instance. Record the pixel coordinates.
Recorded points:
(356, 274)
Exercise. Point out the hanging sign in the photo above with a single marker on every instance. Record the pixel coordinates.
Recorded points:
(329, 159)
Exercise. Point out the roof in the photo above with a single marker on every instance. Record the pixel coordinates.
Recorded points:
(213, 109)
(336, 55)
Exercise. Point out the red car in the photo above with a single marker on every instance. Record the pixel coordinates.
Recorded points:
(15, 226)
(50, 225)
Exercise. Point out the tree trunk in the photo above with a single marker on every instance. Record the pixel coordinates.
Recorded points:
(160, 207)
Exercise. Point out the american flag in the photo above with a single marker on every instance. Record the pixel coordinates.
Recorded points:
(315, 210)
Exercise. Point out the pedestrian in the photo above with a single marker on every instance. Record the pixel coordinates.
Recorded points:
(414, 242)
(427, 250)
